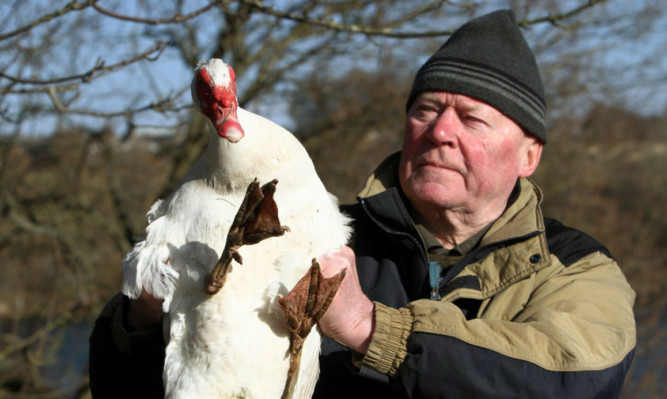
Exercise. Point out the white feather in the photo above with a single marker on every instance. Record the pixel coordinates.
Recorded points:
(235, 343)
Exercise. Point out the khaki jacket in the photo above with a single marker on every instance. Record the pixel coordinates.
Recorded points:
(536, 310)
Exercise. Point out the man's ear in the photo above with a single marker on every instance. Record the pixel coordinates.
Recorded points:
(532, 155)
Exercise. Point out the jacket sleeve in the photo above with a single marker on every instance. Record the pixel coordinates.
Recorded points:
(574, 337)
(122, 364)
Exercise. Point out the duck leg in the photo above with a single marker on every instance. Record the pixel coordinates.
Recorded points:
(256, 220)
(305, 305)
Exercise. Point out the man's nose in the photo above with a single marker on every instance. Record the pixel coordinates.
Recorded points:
(445, 127)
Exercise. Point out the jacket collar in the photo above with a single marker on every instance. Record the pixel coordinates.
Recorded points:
(384, 201)
(384, 177)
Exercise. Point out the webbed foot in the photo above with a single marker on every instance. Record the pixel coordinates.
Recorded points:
(305, 305)
(255, 221)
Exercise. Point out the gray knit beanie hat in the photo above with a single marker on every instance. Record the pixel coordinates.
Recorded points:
(489, 59)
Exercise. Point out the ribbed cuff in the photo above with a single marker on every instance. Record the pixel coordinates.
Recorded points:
(387, 348)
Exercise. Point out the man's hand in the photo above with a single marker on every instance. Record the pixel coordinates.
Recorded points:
(144, 313)
(350, 319)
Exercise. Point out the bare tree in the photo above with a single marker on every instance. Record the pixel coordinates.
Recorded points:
(89, 61)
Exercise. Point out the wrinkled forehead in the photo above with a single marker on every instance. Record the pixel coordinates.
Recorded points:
(461, 102)
(218, 72)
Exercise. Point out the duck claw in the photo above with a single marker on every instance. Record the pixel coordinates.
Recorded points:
(256, 220)
(305, 305)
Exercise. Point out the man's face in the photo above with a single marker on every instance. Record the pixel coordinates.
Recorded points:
(460, 154)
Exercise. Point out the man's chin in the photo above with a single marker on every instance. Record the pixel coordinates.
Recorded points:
(433, 194)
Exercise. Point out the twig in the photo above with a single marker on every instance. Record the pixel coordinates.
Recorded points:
(390, 31)
(54, 295)
(36, 336)
(162, 106)
(175, 19)
(416, 13)
(152, 54)
(70, 87)
(259, 5)
(71, 6)
(22, 221)
(121, 215)
(555, 18)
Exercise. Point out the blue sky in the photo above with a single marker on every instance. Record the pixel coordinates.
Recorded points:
(146, 82)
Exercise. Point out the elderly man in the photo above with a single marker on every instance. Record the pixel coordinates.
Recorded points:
(462, 288)
(457, 286)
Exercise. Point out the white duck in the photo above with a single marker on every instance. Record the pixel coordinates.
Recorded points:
(236, 343)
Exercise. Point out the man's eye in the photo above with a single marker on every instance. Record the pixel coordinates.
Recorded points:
(426, 109)
(424, 114)
(472, 118)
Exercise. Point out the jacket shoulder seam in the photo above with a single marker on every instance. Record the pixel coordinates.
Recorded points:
(570, 245)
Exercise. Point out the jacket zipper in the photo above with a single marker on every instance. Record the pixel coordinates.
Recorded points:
(387, 230)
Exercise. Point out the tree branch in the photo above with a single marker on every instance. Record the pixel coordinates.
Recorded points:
(69, 87)
(434, 5)
(162, 106)
(390, 30)
(86, 77)
(554, 19)
(173, 20)
(17, 214)
(60, 321)
(71, 6)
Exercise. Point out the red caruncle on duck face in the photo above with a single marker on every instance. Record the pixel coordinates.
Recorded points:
(214, 91)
